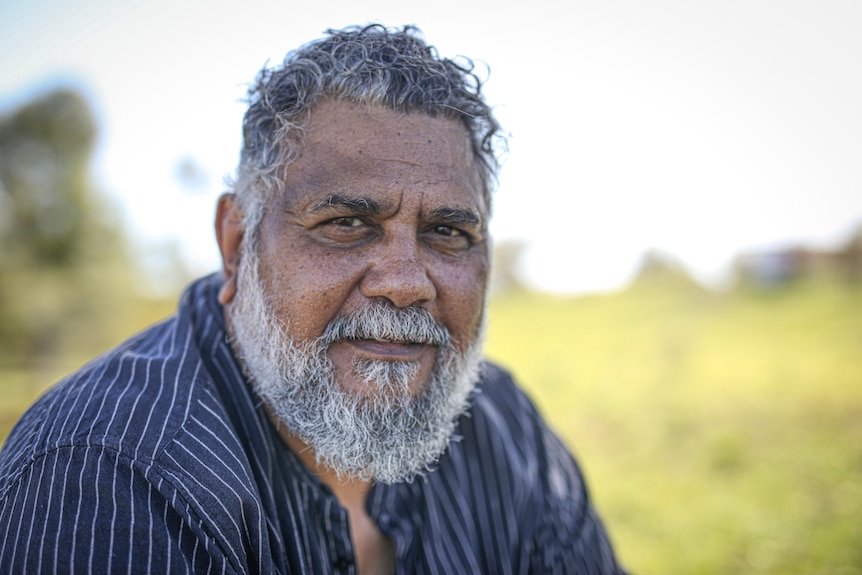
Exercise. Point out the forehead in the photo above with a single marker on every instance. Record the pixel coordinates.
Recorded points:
(354, 148)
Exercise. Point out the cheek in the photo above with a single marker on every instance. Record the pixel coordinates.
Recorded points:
(306, 291)
(463, 302)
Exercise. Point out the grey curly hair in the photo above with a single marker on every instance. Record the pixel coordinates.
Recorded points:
(367, 65)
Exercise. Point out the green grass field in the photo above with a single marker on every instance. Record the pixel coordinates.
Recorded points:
(720, 433)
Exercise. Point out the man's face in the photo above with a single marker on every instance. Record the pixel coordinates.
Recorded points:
(379, 206)
(359, 313)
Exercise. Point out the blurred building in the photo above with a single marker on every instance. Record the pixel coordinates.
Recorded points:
(772, 268)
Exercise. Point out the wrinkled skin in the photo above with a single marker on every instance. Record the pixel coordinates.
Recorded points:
(379, 204)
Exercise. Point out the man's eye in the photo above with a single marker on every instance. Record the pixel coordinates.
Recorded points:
(345, 230)
(448, 239)
(347, 222)
(448, 231)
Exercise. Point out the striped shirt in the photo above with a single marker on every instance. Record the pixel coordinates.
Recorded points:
(158, 458)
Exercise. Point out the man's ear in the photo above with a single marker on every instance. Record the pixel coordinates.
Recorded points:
(229, 232)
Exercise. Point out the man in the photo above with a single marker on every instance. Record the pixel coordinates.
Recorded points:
(320, 406)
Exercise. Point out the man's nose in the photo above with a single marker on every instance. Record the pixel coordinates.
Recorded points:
(398, 272)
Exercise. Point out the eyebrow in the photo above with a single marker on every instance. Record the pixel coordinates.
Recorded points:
(454, 216)
(361, 206)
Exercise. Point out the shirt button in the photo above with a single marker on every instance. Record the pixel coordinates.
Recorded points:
(342, 563)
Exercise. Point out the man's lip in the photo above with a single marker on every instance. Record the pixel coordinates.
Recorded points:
(387, 350)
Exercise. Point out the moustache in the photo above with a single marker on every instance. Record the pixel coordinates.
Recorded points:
(384, 321)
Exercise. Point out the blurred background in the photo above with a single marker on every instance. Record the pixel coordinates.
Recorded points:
(679, 233)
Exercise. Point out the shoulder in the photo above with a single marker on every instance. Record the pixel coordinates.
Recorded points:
(528, 467)
(498, 397)
(132, 400)
(125, 399)
(504, 422)
(139, 439)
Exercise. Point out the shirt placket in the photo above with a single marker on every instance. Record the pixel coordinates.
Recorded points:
(339, 544)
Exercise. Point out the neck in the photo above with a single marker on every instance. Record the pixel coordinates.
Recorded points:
(375, 552)
(350, 492)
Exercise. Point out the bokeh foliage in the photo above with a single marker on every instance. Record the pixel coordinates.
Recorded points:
(66, 281)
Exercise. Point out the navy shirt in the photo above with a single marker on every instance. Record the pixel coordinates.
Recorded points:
(158, 458)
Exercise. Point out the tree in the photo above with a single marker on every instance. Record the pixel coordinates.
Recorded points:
(57, 245)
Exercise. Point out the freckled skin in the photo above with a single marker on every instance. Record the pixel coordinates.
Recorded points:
(324, 253)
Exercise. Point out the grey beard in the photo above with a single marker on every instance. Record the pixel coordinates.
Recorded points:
(384, 434)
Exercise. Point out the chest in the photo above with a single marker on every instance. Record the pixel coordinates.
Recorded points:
(412, 531)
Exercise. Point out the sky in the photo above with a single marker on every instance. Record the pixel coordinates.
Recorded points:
(697, 129)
